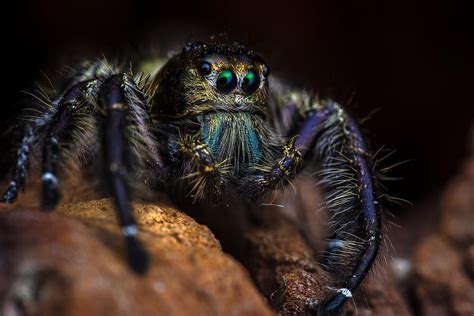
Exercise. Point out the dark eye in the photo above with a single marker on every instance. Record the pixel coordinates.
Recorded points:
(205, 68)
(250, 82)
(266, 71)
(226, 81)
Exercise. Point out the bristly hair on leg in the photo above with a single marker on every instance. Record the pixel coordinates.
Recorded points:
(144, 154)
(203, 173)
(338, 175)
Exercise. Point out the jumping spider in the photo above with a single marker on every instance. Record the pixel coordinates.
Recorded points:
(209, 122)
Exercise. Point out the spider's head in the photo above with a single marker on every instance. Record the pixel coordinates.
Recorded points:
(206, 78)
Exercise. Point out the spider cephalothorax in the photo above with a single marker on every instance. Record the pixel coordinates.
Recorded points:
(207, 122)
(216, 95)
(209, 78)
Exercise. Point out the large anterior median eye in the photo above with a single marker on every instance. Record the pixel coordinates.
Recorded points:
(226, 81)
(250, 82)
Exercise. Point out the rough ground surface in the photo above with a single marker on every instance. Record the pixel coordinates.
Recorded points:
(71, 263)
(54, 265)
(444, 261)
(284, 268)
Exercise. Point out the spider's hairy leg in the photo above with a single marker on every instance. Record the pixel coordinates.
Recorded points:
(330, 140)
(334, 140)
(97, 95)
(120, 108)
(203, 171)
(18, 176)
(118, 105)
(113, 100)
(68, 107)
(48, 119)
(283, 170)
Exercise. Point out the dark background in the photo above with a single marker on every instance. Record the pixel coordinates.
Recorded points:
(411, 62)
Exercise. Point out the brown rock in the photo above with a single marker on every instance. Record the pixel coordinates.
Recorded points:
(457, 219)
(442, 287)
(285, 270)
(380, 295)
(444, 261)
(52, 264)
(469, 262)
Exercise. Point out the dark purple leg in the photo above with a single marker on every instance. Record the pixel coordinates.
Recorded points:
(330, 137)
(291, 158)
(47, 120)
(368, 229)
(368, 223)
(59, 124)
(204, 172)
(370, 218)
(17, 182)
(116, 105)
(124, 108)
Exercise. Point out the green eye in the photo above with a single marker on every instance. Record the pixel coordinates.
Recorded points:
(226, 81)
(250, 82)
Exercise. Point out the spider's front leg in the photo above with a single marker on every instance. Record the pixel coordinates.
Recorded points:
(329, 138)
(343, 160)
(18, 177)
(115, 146)
(205, 174)
(280, 173)
(53, 122)
(103, 101)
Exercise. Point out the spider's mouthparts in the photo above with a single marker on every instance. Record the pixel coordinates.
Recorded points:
(232, 135)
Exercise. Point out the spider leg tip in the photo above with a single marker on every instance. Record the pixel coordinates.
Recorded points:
(334, 305)
(10, 194)
(138, 257)
(50, 200)
(50, 195)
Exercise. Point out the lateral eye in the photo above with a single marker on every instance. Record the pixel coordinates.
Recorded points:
(266, 71)
(205, 68)
(250, 82)
(226, 81)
